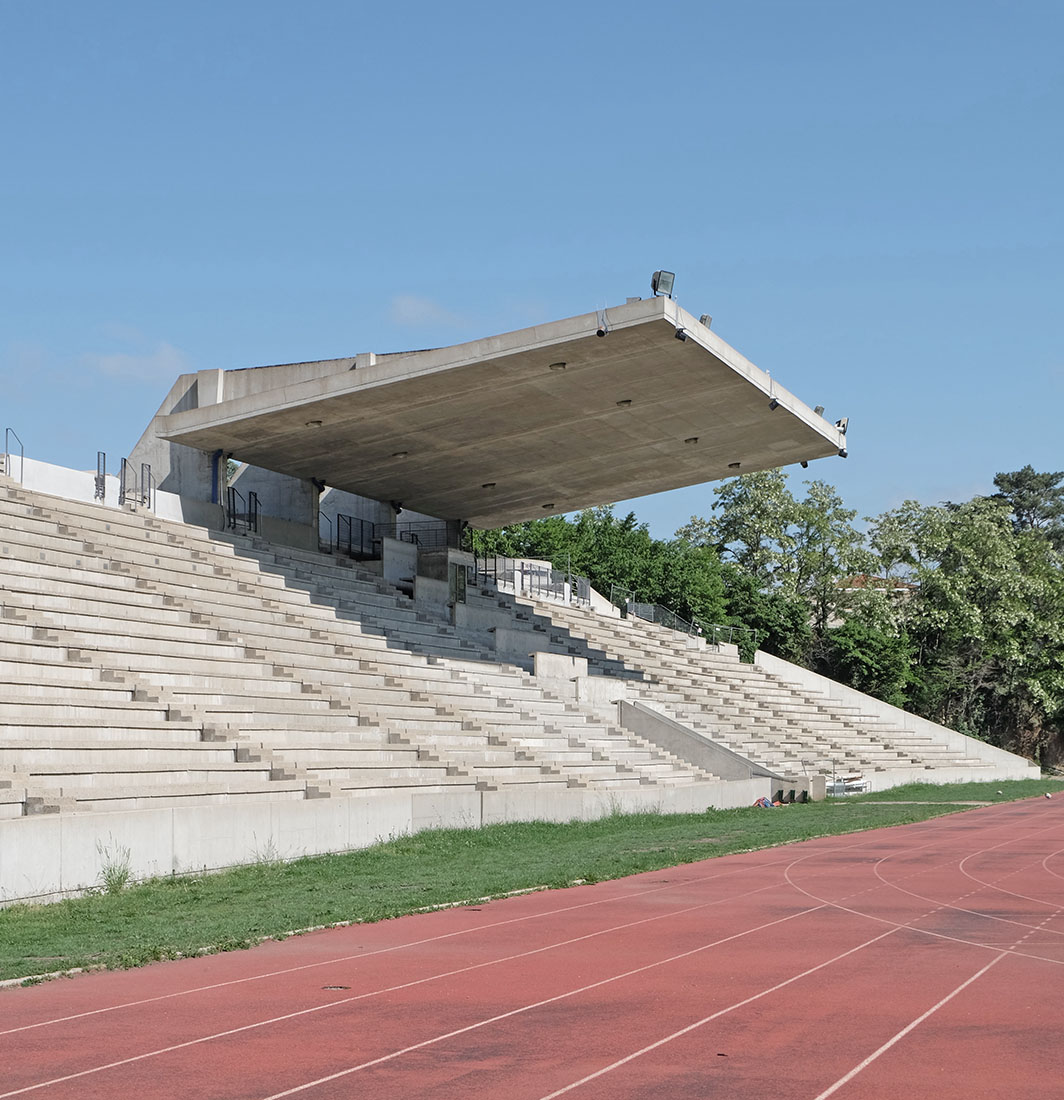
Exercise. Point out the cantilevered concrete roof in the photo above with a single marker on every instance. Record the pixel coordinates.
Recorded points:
(531, 423)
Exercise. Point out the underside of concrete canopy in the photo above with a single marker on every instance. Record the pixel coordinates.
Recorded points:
(544, 420)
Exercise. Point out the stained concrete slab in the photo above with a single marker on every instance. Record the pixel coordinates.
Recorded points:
(544, 420)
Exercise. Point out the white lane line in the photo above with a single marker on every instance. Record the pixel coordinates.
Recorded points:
(561, 997)
(337, 960)
(705, 1019)
(934, 1008)
(905, 1030)
(431, 978)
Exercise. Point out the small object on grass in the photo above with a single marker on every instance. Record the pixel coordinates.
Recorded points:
(1048, 795)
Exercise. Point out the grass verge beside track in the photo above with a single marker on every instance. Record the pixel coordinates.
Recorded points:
(168, 918)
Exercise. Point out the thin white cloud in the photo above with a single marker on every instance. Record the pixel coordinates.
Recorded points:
(415, 311)
(162, 363)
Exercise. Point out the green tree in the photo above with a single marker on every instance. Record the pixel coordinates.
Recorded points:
(610, 551)
(1036, 501)
(795, 554)
(986, 622)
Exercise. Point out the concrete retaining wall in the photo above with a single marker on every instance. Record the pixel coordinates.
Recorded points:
(46, 857)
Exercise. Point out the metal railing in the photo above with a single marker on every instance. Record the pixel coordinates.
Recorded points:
(325, 542)
(99, 491)
(241, 515)
(428, 534)
(532, 579)
(128, 492)
(354, 537)
(147, 487)
(10, 433)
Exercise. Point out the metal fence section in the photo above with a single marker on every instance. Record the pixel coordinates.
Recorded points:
(9, 434)
(354, 537)
(428, 534)
(529, 578)
(99, 491)
(128, 490)
(147, 487)
(325, 538)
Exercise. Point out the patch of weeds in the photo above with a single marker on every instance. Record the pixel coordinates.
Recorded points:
(115, 866)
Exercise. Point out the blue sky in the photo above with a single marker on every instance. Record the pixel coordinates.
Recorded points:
(866, 197)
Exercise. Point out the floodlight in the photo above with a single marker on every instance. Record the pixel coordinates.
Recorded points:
(661, 283)
(680, 334)
(705, 319)
(819, 410)
(773, 405)
(804, 464)
(842, 452)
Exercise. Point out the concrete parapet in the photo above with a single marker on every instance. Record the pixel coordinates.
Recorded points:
(46, 857)
(689, 745)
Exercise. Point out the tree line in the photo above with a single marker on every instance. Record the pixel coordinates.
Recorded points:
(954, 611)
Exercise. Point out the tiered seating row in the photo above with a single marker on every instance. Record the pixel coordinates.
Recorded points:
(212, 673)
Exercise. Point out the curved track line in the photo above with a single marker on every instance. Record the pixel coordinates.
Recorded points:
(939, 904)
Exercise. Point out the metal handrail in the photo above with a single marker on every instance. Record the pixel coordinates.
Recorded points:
(21, 455)
(253, 511)
(325, 545)
(235, 516)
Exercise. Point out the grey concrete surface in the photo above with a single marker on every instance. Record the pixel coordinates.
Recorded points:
(530, 423)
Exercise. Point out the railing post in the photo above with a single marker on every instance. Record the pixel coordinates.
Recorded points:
(21, 455)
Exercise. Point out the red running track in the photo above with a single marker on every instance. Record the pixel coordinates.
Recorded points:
(922, 960)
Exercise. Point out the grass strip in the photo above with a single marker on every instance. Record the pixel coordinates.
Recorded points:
(172, 917)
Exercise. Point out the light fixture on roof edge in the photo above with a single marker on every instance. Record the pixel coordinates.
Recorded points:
(661, 282)
(804, 464)
(773, 405)
(819, 410)
(680, 334)
(556, 366)
(705, 319)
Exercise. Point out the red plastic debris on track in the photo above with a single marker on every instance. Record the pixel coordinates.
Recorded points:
(924, 960)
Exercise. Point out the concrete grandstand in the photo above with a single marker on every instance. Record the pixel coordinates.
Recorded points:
(264, 639)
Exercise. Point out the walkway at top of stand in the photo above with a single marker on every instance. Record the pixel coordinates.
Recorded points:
(911, 961)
